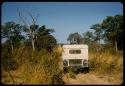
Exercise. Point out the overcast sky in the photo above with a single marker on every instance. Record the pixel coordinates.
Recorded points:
(63, 17)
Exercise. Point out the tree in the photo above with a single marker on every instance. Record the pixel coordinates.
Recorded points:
(31, 29)
(12, 32)
(88, 37)
(45, 39)
(40, 37)
(32, 34)
(74, 38)
(98, 34)
(113, 30)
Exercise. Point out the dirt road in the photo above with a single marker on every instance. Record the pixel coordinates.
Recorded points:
(85, 79)
(80, 79)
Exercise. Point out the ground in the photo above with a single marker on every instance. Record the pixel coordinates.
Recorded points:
(90, 79)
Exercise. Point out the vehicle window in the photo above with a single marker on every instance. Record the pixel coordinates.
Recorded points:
(75, 51)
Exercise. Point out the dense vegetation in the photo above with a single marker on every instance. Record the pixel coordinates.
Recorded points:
(30, 52)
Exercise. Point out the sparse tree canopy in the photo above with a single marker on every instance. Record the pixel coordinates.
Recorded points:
(74, 38)
(88, 38)
(98, 34)
(29, 28)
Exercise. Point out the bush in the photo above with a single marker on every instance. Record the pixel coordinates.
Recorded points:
(71, 72)
(9, 64)
(57, 79)
(38, 67)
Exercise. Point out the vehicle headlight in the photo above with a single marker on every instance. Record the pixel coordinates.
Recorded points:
(85, 63)
(65, 62)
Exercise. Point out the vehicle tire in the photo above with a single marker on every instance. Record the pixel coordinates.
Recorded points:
(87, 70)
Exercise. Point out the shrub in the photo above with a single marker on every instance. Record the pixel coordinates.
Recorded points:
(71, 72)
(43, 66)
(38, 67)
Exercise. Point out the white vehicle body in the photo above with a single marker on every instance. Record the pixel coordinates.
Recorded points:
(75, 55)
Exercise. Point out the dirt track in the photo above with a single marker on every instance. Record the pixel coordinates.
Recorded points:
(85, 79)
(81, 79)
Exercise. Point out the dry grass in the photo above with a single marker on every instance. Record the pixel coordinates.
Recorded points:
(108, 65)
(39, 67)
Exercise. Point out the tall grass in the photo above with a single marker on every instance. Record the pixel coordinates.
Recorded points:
(38, 67)
(42, 67)
(106, 62)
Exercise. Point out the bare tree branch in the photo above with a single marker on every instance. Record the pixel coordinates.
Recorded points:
(31, 32)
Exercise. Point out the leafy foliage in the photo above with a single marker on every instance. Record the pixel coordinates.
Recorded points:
(113, 27)
(98, 32)
(74, 38)
(39, 63)
(45, 39)
(12, 32)
(110, 31)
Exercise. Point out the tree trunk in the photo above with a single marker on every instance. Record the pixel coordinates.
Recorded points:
(12, 48)
(116, 45)
(11, 45)
(99, 41)
(33, 41)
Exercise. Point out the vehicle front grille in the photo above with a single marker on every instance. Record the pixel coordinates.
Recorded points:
(75, 62)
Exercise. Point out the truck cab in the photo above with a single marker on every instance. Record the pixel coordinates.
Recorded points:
(75, 56)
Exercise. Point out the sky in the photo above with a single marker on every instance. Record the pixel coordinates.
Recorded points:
(63, 17)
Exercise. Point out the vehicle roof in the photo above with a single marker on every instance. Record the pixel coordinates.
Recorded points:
(75, 46)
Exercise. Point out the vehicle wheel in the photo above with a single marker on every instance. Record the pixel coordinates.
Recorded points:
(82, 70)
(77, 71)
(86, 70)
